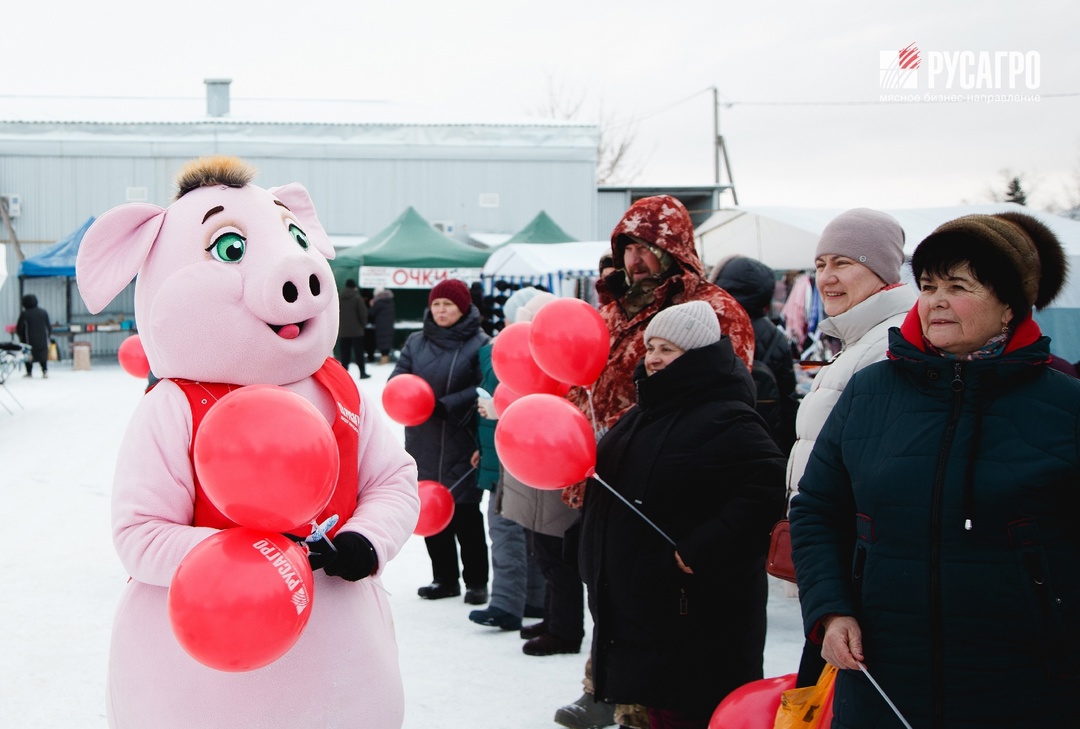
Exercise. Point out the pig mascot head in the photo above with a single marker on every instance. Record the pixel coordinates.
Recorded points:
(233, 281)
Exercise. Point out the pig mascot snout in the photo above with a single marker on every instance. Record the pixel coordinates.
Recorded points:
(233, 288)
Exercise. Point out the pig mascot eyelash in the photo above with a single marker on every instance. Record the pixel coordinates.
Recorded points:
(233, 288)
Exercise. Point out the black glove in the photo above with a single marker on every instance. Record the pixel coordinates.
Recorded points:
(352, 558)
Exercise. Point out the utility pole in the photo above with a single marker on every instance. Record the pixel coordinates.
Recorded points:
(721, 155)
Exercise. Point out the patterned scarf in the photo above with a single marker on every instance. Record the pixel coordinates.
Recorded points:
(993, 348)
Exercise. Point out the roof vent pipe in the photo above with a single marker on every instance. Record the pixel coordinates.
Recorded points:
(217, 96)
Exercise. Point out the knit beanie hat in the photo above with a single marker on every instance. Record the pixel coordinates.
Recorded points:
(1030, 259)
(517, 301)
(455, 290)
(871, 237)
(687, 326)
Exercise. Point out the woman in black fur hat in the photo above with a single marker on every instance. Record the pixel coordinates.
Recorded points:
(935, 533)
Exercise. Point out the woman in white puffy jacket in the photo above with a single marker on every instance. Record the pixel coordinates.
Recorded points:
(858, 261)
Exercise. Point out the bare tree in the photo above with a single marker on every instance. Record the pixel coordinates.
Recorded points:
(614, 142)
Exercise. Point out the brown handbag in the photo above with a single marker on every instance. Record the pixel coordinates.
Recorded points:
(779, 562)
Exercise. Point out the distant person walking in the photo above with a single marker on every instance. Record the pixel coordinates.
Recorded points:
(35, 330)
(382, 317)
(351, 323)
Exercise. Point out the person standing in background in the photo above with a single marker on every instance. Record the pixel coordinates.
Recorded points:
(657, 266)
(445, 353)
(858, 261)
(353, 317)
(34, 329)
(382, 316)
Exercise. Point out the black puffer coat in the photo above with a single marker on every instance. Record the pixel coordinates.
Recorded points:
(447, 358)
(695, 457)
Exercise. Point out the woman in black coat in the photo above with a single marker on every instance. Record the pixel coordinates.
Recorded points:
(678, 627)
(446, 354)
(382, 316)
(34, 330)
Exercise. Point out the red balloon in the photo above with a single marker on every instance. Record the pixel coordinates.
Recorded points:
(133, 358)
(570, 341)
(502, 397)
(513, 362)
(240, 599)
(545, 442)
(753, 705)
(266, 458)
(436, 508)
(408, 399)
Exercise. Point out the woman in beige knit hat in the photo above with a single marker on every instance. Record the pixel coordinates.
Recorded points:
(673, 554)
(934, 532)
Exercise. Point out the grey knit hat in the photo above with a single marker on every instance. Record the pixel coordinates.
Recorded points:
(687, 326)
(871, 237)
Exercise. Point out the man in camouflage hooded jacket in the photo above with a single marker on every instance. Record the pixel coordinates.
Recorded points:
(656, 267)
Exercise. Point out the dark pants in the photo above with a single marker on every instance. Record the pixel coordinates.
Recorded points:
(41, 356)
(352, 347)
(810, 665)
(670, 719)
(564, 605)
(467, 527)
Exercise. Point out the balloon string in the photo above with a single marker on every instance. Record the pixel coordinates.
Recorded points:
(592, 413)
(883, 695)
(633, 508)
(458, 482)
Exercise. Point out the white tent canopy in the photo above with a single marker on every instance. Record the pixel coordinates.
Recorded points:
(547, 264)
(785, 239)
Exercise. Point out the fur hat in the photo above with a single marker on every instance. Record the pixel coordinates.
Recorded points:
(687, 326)
(455, 290)
(1018, 256)
(871, 237)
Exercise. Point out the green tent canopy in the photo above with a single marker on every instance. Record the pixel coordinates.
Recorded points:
(346, 265)
(412, 242)
(542, 229)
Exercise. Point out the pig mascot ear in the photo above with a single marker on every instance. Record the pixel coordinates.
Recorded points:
(113, 250)
(296, 197)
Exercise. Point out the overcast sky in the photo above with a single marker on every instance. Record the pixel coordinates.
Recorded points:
(799, 82)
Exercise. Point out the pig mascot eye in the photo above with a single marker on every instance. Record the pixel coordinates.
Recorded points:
(299, 235)
(228, 247)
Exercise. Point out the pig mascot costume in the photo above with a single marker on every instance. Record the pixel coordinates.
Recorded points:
(234, 289)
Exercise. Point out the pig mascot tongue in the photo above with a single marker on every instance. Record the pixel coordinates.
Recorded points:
(234, 289)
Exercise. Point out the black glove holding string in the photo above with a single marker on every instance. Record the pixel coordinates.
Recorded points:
(350, 557)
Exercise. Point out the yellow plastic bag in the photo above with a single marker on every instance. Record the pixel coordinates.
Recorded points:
(802, 708)
(54, 354)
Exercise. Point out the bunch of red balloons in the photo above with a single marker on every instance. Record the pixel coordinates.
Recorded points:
(268, 460)
(542, 439)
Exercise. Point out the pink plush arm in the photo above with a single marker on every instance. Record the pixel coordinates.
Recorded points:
(387, 503)
(153, 492)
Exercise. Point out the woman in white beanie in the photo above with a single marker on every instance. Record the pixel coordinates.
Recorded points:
(858, 261)
(693, 457)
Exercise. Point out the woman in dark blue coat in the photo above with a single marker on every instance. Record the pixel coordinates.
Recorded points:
(935, 530)
(678, 626)
(445, 354)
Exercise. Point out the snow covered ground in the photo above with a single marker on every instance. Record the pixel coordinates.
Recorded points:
(62, 579)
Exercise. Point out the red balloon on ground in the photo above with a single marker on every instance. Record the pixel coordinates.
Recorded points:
(752, 705)
(436, 508)
(569, 341)
(266, 458)
(133, 358)
(240, 599)
(545, 442)
(408, 399)
(513, 362)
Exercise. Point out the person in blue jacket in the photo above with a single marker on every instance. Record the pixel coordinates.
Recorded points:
(935, 531)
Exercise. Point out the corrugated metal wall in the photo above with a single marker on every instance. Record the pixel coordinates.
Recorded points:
(357, 190)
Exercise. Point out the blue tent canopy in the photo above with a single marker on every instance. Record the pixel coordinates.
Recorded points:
(58, 259)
